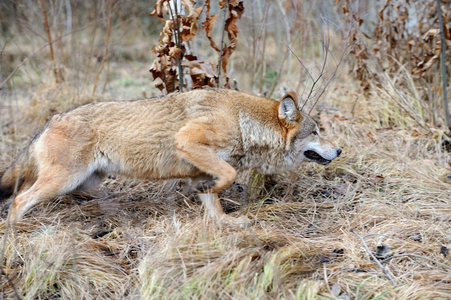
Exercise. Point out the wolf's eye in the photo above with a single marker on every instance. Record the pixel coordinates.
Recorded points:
(315, 132)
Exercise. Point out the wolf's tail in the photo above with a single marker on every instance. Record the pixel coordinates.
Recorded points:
(23, 171)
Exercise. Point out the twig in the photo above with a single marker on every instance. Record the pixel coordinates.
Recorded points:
(315, 81)
(374, 258)
(106, 76)
(178, 41)
(105, 55)
(253, 42)
(299, 60)
(262, 60)
(338, 64)
(288, 30)
(326, 54)
(47, 28)
(2, 136)
(387, 236)
(327, 84)
(226, 8)
(353, 105)
(443, 66)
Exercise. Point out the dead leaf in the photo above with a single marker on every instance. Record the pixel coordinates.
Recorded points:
(207, 25)
(175, 52)
(432, 36)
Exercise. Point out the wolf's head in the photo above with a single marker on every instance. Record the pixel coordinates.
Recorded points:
(304, 141)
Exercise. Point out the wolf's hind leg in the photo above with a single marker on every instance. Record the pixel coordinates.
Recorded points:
(49, 184)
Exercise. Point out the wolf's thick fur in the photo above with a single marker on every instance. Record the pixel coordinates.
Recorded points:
(203, 134)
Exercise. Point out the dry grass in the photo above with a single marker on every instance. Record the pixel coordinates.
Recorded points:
(132, 239)
(147, 240)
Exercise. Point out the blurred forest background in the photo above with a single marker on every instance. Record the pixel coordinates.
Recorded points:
(374, 224)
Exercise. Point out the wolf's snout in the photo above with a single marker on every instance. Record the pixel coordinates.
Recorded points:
(338, 152)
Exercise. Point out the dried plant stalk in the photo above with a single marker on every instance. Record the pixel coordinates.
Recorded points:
(443, 66)
(49, 37)
(105, 54)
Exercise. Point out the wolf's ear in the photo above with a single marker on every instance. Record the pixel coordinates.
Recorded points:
(288, 111)
(290, 117)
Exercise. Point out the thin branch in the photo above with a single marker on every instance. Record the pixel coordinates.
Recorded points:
(326, 52)
(315, 81)
(226, 8)
(318, 95)
(178, 41)
(443, 66)
(253, 42)
(105, 55)
(47, 28)
(300, 61)
(263, 48)
(328, 82)
(374, 258)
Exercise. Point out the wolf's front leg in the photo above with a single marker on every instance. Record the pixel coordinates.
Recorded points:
(213, 210)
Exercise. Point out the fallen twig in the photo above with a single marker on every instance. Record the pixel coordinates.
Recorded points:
(374, 258)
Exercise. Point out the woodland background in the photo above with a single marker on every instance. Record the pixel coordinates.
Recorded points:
(374, 224)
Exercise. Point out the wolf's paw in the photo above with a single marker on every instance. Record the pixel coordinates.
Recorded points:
(241, 221)
(205, 185)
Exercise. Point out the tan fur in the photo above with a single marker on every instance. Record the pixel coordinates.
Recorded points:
(197, 134)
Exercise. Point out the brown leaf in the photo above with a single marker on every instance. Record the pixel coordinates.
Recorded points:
(202, 74)
(175, 52)
(207, 25)
(345, 9)
(381, 12)
(232, 32)
(363, 54)
(158, 9)
(429, 58)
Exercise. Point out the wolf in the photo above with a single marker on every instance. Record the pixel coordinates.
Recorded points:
(206, 135)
